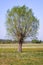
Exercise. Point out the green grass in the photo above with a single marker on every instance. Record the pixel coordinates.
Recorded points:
(28, 56)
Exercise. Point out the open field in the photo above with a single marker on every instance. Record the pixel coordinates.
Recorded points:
(28, 45)
(32, 54)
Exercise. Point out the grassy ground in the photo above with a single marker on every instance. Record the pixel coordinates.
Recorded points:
(28, 56)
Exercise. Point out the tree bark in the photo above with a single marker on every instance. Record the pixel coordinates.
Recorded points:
(20, 47)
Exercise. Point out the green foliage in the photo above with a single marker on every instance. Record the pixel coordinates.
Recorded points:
(36, 41)
(21, 23)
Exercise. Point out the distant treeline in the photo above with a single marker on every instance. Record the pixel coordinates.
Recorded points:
(36, 41)
(3, 41)
(6, 41)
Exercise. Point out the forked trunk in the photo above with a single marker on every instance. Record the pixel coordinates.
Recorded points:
(20, 47)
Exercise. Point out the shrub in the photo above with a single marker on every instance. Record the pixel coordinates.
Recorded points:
(36, 41)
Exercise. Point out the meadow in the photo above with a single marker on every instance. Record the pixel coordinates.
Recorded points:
(32, 54)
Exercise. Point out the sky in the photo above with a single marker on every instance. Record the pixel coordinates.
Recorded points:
(37, 8)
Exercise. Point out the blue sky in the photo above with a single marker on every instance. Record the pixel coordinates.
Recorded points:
(36, 5)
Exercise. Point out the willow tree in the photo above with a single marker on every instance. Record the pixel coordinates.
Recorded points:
(21, 23)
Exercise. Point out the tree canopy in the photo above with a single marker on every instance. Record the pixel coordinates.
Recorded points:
(21, 21)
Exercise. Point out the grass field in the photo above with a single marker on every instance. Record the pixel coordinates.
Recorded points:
(32, 54)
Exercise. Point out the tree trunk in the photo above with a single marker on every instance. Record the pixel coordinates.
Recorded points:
(20, 47)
